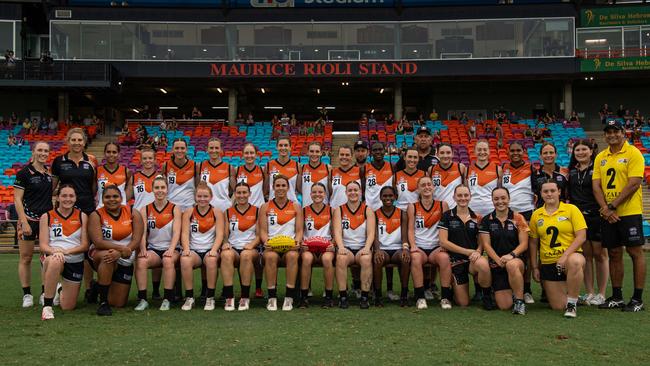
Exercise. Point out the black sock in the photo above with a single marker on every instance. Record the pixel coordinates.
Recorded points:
(189, 292)
(290, 292)
(169, 294)
(273, 293)
(527, 289)
(389, 279)
(258, 283)
(343, 293)
(356, 284)
(42, 289)
(486, 291)
(48, 301)
(638, 294)
(364, 294)
(447, 293)
(419, 293)
(178, 287)
(103, 292)
(405, 292)
(28, 290)
(156, 287)
(228, 292)
(617, 292)
(304, 294)
(245, 291)
(329, 294)
(142, 294)
(378, 293)
(204, 286)
(209, 292)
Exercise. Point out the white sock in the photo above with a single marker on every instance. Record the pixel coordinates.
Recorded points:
(572, 300)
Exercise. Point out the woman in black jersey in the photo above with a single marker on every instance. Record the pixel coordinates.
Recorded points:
(582, 195)
(459, 236)
(549, 170)
(32, 198)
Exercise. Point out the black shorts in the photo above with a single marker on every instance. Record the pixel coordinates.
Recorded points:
(201, 254)
(627, 232)
(390, 252)
(123, 274)
(34, 225)
(73, 272)
(428, 251)
(353, 251)
(499, 279)
(527, 215)
(549, 272)
(160, 253)
(594, 223)
(460, 271)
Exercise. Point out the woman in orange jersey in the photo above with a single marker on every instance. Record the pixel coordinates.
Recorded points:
(391, 244)
(116, 232)
(482, 177)
(406, 180)
(240, 247)
(217, 173)
(313, 172)
(282, 165)
(201, 237)
(141, 183)
(159, 246)
(346, 172)
(318, 217)
(354, 233)
(377, 175)
(112, 173)
(63, 240)
(446, 175)
(423, 220)
(280, 216)
(251, 174)
(180, 173)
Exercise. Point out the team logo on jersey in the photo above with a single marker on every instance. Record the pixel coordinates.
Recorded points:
(562, 218)
(540, 222)
(559, 178)
(622, 161)
(633, 231)
(511, 226)
(603, 162)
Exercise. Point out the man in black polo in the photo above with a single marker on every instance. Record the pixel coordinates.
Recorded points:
(426, 151)
(361, 153)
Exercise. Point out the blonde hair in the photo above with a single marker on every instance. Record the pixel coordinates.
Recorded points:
(78, 130)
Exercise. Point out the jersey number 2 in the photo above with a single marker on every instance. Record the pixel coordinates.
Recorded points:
(554, 232)
(611, 173)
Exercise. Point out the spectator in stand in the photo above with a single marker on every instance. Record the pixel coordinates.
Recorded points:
(27, 125)
(637, 117)
(162, 144)
(11, 139)
(513, 117)
(10, 64)
(33, 130)
(400, 128)
(479, 119)
(163, 125)
(390, 120)
(250, 121)
(471, 130)
(463, 117)
(285, 120)
(275, 121)
(156, 141)
(53, 125)
(573, 118)
(372, 119)
(196, 113)
(240, 119)
(433, 116)
(604, 113)
(173, 125)
(620, 113)
(293, 121)
(310, 128)
(437, 139)
(421, 119)
(408, 127)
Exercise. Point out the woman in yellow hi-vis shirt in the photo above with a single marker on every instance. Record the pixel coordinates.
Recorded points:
(558, 230)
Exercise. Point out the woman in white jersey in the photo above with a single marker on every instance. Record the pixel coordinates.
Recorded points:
(446, 175)
(240, 247)
(318, 217)
(482, 177)
(159, 247)
(354, 234)
(346, 172)
(112, 173)
(406, 180)
(142, 180)
(181, 176)
(280, 216)
(63, 240)
(217, 174)
(423, 219)
(377, 175)
(201, 237)
(313, 172)
(251, 174)
(518, 179)
(283, 165)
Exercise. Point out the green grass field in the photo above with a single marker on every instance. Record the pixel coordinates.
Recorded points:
(314, 336)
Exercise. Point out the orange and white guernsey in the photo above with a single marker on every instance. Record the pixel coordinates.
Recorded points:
(340, 179)
(289, 170)
(241, 226)
(143, 189)
(426, 225)
(389, 229)
(255, 180)
(317, 223)
(160, 226)
(376, 179)
(311, 175)
(180, 183)
(65, 232)
(445, 181)
(407, 187)
(281, 220)
(481, 182)
(106, 178)
(519, 183)
(202, 230)
(354, 225)
(218, 179)
(118, 230)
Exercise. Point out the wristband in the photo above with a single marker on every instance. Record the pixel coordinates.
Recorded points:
(611, 207)
(513, 254)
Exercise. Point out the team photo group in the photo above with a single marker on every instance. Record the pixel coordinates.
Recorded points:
(496, 226)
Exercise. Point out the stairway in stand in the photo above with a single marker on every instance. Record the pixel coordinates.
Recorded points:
(96, 148)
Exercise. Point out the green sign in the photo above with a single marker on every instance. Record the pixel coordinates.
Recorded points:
(615, 64)
(615, 16)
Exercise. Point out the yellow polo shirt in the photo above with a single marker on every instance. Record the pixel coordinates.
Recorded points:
(556, 232)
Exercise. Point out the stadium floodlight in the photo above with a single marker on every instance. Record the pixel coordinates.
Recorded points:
(372, 110)
(272, 107)
(219, 107)
(162, 90)
(317, 91)
(168, 108)
(596, 41)
(263, 91)
(220, 91)
(135, 110)
(381, 91)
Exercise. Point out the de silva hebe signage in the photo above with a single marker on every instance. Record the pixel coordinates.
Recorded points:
(312, 69)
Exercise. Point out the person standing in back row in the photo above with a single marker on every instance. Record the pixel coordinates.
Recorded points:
(618, 171)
